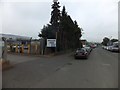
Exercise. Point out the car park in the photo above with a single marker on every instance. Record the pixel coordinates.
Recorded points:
(81, 53)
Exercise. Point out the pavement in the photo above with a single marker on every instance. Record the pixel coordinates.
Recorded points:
(20, 58)
(100, 70)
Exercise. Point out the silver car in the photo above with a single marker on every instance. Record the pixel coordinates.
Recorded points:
(115, 49)
(110, 48)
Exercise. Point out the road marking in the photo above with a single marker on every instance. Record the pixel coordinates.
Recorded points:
(106, 64)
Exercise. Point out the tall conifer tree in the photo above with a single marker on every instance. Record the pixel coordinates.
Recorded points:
(55, 15)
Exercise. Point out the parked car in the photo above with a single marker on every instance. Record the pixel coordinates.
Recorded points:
(81, 53)
(110, 48)
(105, 47)
(115, 47)
(15, 46)
(89, 49)
(93, 46)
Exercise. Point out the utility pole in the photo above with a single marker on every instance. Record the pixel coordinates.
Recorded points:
(55, 19)
(56, 42)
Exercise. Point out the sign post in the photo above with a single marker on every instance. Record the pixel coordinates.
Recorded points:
(56, 42)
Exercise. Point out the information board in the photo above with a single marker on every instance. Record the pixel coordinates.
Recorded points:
(51, 42)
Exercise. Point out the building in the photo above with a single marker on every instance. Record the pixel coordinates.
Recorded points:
(14, 37)
(84, 42)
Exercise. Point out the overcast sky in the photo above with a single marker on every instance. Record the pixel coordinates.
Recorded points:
(98, 18)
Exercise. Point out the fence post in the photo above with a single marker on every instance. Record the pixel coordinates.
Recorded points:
(22, 48)
(28, 48)
(36, 48)
(16, 48)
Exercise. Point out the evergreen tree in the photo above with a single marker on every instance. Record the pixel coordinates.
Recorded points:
(77, 33)
(105, 41)
(55, 16)
(55, 20)
(47, 32)
(63, 27)
(69, 31)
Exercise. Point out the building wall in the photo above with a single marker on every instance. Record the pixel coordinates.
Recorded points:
(83, 42)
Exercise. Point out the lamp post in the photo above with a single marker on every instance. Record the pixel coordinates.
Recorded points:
(56, 42)
(30, 44)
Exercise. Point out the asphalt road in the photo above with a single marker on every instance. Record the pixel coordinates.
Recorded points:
(100, 70)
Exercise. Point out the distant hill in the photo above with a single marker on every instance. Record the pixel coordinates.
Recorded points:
(14, 37)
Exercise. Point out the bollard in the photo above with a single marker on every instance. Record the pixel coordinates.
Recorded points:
(36, 48)
(28, 49)
(22, 48)
(16, 48)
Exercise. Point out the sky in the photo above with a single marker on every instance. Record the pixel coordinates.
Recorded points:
(119, 21)
(97, 18)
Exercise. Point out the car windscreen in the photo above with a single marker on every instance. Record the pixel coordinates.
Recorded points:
(81, 50)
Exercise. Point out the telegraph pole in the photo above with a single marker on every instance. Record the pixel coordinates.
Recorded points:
(56, 42)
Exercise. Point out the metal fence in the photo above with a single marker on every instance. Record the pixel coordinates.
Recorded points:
(32, 47)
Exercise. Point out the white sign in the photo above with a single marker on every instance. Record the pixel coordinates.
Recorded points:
(51, 42)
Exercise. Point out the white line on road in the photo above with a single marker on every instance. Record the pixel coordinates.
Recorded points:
(106, 64)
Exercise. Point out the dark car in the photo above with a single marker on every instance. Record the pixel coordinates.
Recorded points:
(81, 53)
